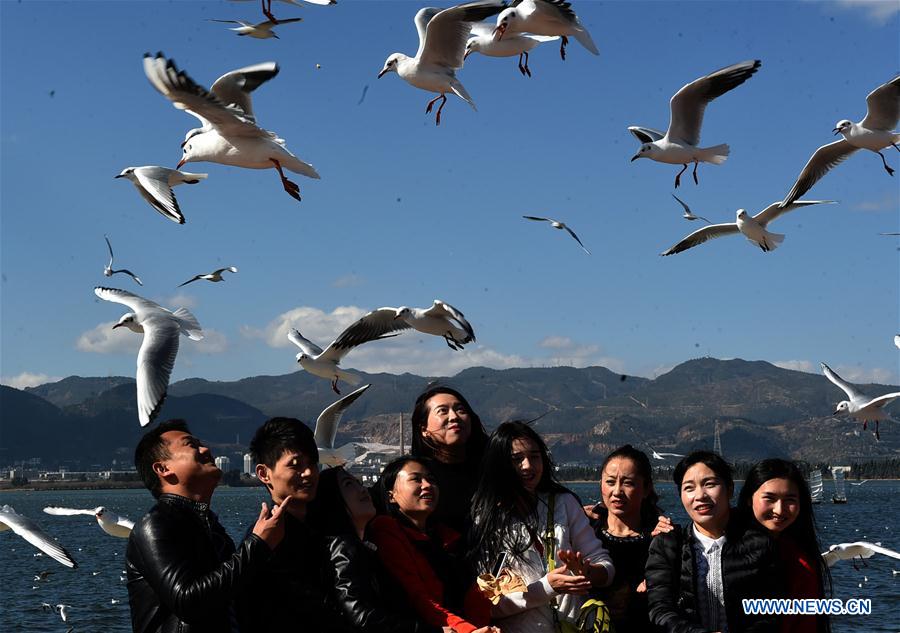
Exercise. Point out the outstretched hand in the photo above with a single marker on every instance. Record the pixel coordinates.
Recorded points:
(663, 525)
(574, 561)
(564, 582)
(270, 528)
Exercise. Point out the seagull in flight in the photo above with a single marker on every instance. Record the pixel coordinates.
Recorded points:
(544, 17)
(327, 425)
(155, 184)
(482, 41)
(261, 31)
(679, 145)
(874, 133)
(108, 270)
(858, 483)
(860, 549)
(556, 224)
(441, 319)
(62, 610)
(214, 276)
(442, 45)
(161, 329)
(267, 5)
(110, 522)
(229, 134)
(753, 228)
(860, 406)
(29, 530)
(324, 363)
(688, 215)
(662, 456)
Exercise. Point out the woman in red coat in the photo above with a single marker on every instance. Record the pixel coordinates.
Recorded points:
(426, 559)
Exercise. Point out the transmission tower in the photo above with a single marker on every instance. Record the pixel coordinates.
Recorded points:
(717, 444)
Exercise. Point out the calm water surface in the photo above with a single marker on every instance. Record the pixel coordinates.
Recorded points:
(99, 601)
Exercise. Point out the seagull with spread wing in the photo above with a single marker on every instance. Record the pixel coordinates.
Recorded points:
(441, 319)
(556, 224)
(31, 532)
(214, 276)
(229, 134)
(155, 184)
(544, 17)
(110, 522)
(688, 214)
(326, 430)
(860, 406)
(521, 44)
(161, 329)
(860, 549)
(324, 363)
(261, 31)
(108, 270)
(874, 133)
(680, 144)
(442, 45)
(753, 228)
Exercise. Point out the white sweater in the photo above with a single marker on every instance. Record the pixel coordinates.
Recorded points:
(530, 611)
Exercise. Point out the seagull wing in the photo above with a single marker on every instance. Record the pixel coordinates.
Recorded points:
(130, 274)
(29, 530)
(446, 32)
(819, 164)
(134, 302)
(309, 348)
(537, 219)
(154, 187)
(154, 365)
(234, 88)
(444, 310)
(847, 388)
(775, 210)
(572, 233)
(193, 279)
(241, 22)
(219, 271)
(883, 401)
(125, 522)
(67, 512)
(185, 94)
(645, 134)
(703, 235)
(687, 209)
(375, 325)
(109, 246)
(884, 107)
(328, 420)
(483, 29)
(689, 103)
(878, 549)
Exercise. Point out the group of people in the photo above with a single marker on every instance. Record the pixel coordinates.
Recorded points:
(470, 533)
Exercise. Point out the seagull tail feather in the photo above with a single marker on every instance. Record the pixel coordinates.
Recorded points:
(716, 154)
(460, 92)
(585, 39)
(190, 326)
(773, 240)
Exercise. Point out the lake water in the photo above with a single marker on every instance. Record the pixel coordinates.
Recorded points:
(99, 600)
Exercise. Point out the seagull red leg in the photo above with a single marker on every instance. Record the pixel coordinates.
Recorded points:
(292, 188)
(437, 118)
(334, 385)
(678, 177)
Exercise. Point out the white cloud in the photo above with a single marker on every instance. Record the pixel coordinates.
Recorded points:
(103, 339)
(556, 342)
(888, 202)
(878, 11)
(180, 300)
(798, 365)
(318, 326)
(213, 342)
(850, 373)
(27, 379)
(347, 281)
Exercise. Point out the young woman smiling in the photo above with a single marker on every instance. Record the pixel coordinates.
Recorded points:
(776, 496)
(697, 575)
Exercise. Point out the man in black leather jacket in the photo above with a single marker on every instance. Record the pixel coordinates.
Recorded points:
(183, 569)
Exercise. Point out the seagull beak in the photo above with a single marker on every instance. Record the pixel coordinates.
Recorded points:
(498, 32)
(635, 157)
(835, 412)
(836, 131)
(382, 73)
(180, 163)
(466, 56)
(119, 176)
(116, 325)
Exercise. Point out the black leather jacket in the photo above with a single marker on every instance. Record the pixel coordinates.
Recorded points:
(749, 570)
(183, 570)
(364, 593)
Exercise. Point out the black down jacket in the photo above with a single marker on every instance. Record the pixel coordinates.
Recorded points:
(183, 570)
(749, 570)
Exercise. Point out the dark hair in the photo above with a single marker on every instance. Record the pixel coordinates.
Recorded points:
(328, 512)
(803, 530)
(501, 501)
(424, 447)
(151, 449)
(650, 509)
(278, 435)
(389, 477)
(712, 460)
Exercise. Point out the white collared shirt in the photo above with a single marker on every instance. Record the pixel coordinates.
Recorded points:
(710, 588)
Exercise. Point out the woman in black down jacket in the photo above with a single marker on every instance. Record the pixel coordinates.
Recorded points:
(364, 595)
(697, 575)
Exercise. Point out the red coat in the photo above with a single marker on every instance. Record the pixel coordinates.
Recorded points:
(802, 582)
(406, 563)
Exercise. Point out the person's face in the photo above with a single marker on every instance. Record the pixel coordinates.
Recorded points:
(189, 460)
(295, 475)
(415, 491)
(526, 459)
(449, 422)
(776, 504)
(705, 497)
(356, 497)
(622, 488)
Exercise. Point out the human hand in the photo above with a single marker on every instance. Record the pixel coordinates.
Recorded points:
(271, 528)
(642, 588)
(663, 525)
(564, 582)
(574, 561)
(488, 629)
(589, 511)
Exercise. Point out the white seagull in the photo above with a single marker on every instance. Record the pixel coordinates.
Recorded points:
(860, 406)
(110, 522)
(860, 549)
(326, 430)
(679, 145)
(688, 215)
(214, 276)
(544, 17)
(662, 456)
(229, 134)
(29, 530)
(874, 133)
(155, 184)
(442, 46)
(62, 610)
(556, 224)
(897, 340)
(753, 228)
(261, 31)
(267, 5)
(324, 363)
(441, 319)
(108, 270)
(852, 483)
(482, 41)
(156, 358)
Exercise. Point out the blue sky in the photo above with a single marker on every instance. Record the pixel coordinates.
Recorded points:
(406, 212)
